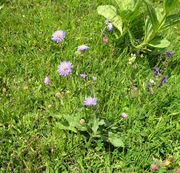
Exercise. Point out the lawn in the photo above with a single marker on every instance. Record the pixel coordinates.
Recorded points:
(116, 109)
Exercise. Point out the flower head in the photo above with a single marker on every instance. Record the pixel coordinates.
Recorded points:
(46, 80)
(83, 75)
(163, 80)
(169, 53)
(105, 40)
(58, 36)
(155, 71)
(94, 78)
(110, 27)
(177, 170)
(154, 167)
(90, 101)
(106, 21)
(82, 47)
(124, 115)
(65, 68)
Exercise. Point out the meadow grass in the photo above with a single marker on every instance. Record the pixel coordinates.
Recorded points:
(31, 140)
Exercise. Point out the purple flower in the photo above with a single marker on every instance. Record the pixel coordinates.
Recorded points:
(65, 68)
(110, 27)
(94, 78)
(105, 40)
(46, 80)
(106, 21)
(58, 36)
(83, 75)
(155, 71)
(148, 88)
(90, 101)
(163, 80)
(124, 115)
(154, 167)
(82, 47)
(169, 53)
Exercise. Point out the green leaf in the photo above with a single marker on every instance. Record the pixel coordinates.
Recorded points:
(170, 5)
(66, 127)
(159, 43)
(132, 38)
(152, 14)
(171, 20)
(95, 126)
(126, 5)
(148, 28)
(115, 140)
(110, 12)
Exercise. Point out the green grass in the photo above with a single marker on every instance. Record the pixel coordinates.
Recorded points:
(29, 109)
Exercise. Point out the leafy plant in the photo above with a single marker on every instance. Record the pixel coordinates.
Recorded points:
(128, 13)
(95, 127)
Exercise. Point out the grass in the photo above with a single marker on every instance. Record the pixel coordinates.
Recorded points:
(31, 140)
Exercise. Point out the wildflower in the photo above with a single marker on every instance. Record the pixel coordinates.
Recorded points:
(152, 81)
(58, 94)
(58, 36)
(124, 115)
(110, 27)
(169, 53)
(36, 118)
(163, 80)
(82, 121)
(141, 56)
(49, 106)
(103, 33)
(105, 40)
(83, 75)
(134, 66)
(154, 167)
(65, 68)
(132, 59)
(106, 21)
(26, 88)
(2, 61)
(90, 101)
(148, 88)
(156, 71)
(82, 47)
(4, 90)
(46, 80)
(177, 170)
(94, 78)
(170, 158)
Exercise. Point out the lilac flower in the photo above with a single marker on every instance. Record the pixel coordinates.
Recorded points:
(46, 80)
(58, 36)
(110, 27)
(124, 115)
(82, 47)
(65, 68)
(94, 78)
(154, 167)
(83, 75)
(106, 21)
(169, 53)
(163, 80)
(105, 40)
(148, 88)
(156, 71)
(90, 101)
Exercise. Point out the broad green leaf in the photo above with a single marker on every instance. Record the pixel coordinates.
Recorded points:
(95, 126)
(170, 5)
(148, 28)
(159, 43)
(152, 14)
(66, 127)
(115, 140)
(110, 12)
(171, 20)
(132, 38)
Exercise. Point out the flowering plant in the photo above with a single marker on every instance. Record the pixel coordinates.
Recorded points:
(128, 13)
